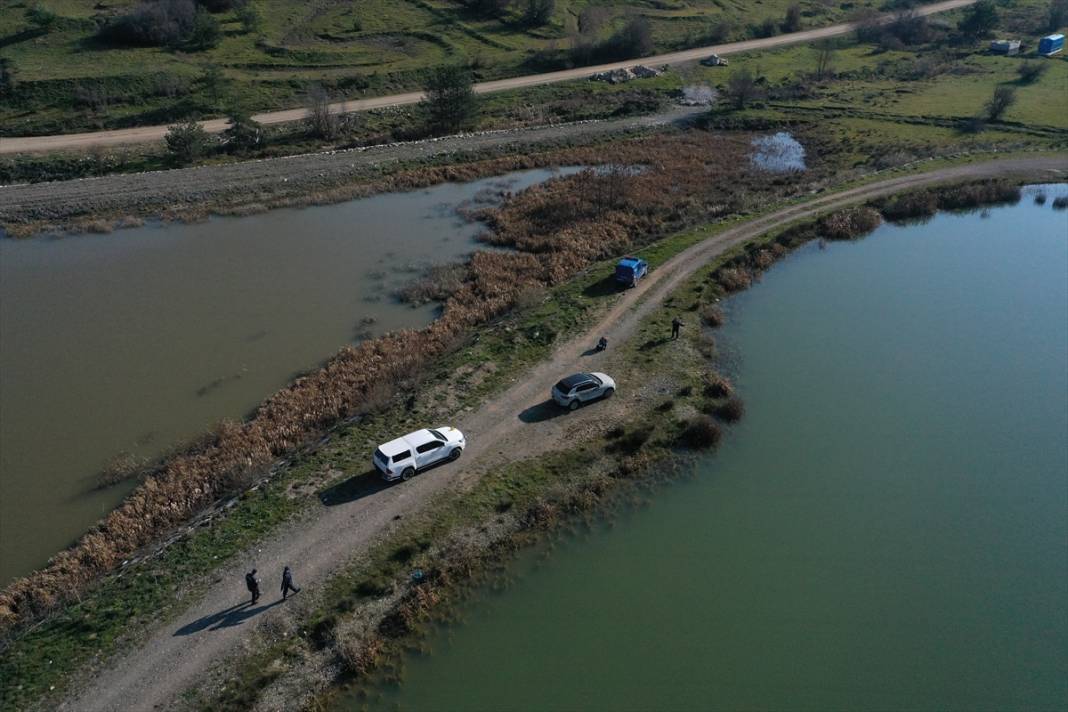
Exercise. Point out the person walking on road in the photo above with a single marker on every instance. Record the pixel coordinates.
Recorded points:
(676, 324)
(253, 585)
(287, 583)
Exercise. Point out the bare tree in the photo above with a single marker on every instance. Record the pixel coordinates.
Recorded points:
(321, 121)
(824, 60)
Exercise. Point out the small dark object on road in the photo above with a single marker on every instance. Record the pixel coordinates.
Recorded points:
(287, 583)
(253, 585)
(676, 324)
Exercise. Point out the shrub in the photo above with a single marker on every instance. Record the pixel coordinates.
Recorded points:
(538, 12)
(1031, 72)
(250, 18)
(792, 21)
(631, 441)
(243, 134)
(712, 315)
(1000, 102)
(437, 284)
(717, 386)
(742, 87)
(187, 141)
(733, 279)
(41, 17)
(1058, 15)
(920, 204)
(732, 410)
(700, 432)
(1060, 202)
(205, 32)
(322, 122)
(450, 104)
(152, 23)
(222, 5)
(978, 20)
(850, 224)
(767, 28)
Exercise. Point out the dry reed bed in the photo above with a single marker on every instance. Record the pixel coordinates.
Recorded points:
(558, 228)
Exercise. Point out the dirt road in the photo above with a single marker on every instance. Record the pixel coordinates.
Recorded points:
(179, 654)
(144, 134)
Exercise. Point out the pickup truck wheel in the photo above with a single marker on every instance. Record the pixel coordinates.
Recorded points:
(407, 474)
(455, 454)
(573, 405)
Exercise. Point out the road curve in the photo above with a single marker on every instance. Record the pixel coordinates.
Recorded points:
(180, 653)
(145, 134)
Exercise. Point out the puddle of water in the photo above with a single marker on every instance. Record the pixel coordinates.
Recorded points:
(778, 153)
(131, 342)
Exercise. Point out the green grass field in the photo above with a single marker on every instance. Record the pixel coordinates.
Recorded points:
(68, 80)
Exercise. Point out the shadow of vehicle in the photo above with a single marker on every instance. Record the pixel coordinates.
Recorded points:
(226, 618)
(604, 287)
(546, 410)
(354, 488)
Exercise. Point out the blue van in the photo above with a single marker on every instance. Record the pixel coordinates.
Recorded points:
(630, 270)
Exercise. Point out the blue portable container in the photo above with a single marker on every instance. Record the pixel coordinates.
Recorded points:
(1051, 44)
(630, 270)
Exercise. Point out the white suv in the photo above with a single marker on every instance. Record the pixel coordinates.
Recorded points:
(401, 458)
(580, 388)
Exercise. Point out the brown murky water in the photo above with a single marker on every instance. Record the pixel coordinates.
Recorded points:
(132, 342)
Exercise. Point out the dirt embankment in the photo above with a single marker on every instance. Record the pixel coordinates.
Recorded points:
(316, 178)
(166, 664)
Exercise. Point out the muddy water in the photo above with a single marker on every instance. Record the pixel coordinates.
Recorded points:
(885, 530)
(132, 342)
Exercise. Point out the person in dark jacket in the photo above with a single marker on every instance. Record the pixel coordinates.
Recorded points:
(602, 344)
(287, 583)
(676, 324)
(253, 585)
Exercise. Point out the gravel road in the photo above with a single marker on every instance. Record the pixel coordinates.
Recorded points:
(143, 134)
(178, 654)
(273, 178)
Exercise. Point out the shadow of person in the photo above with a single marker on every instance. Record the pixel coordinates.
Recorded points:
(546, 410)
(352, 489)
(208, 621)
(591, 352)
(240, 615)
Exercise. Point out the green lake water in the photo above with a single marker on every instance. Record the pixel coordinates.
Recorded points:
(886, 529)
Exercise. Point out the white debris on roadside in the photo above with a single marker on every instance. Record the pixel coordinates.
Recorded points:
(618, 76)
(698, 95)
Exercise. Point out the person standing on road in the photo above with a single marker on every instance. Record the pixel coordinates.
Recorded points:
(253, 585)
(676, 324)
(287, 583)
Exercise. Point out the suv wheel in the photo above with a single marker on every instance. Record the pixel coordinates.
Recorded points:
(608, 392)
(573, 405)
(455, 454)
(407, 474)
